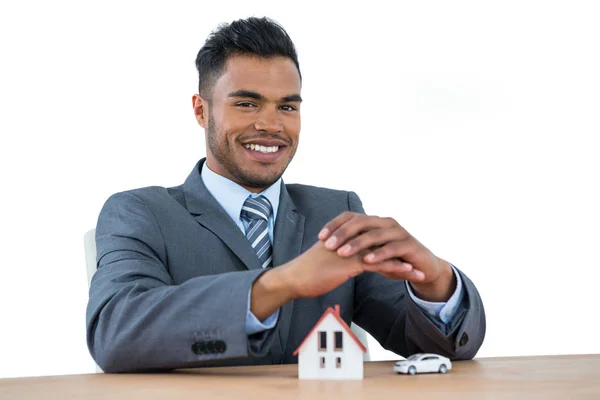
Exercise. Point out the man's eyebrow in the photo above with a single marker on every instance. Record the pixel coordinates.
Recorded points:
(257, 96)
(247, 93)
(291, 98)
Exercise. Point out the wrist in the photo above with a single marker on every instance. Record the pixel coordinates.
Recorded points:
(274, 283)
(439, 290)
(269, 292)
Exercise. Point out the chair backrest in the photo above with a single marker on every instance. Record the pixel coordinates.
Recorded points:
(89, 245)
(89, 242)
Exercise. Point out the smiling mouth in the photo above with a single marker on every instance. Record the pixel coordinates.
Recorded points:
(262, 149)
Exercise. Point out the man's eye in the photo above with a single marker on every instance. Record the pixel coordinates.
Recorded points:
(245, 105)
(288, 108)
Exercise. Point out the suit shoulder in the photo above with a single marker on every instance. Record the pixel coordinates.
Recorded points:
(149, 196)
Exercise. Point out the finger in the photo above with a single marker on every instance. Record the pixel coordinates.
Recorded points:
(356, 225)
(414, 276)
(398, 270)
(390, 267)
(396, 249)
(372, 238)
(334, 224)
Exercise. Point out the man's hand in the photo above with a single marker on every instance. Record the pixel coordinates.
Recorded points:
(387, 248)
(350, 245)
(313, 273)
(318, 271)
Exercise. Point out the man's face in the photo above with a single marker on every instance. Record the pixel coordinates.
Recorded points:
(252, 122)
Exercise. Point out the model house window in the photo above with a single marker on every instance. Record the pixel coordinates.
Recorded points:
(338, 362)
(322, 362)
(339, 344)
(322, 341)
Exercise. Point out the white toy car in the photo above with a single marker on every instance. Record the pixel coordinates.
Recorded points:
(423, 362)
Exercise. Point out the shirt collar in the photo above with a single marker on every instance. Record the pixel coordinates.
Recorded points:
(232, 196)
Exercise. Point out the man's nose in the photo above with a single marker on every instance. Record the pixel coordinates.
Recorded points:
(268, 121)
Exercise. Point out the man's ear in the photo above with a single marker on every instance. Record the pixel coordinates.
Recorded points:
(200, 106)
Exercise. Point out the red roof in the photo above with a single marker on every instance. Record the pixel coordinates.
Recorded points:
(336, 314)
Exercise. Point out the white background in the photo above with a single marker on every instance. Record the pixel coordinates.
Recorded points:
(474, 124)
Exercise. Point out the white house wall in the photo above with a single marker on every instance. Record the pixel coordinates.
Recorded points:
(309, 357)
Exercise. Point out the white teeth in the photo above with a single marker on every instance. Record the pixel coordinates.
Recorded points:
(262, 149)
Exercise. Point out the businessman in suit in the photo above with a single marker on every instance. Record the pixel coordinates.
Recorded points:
(234, 267)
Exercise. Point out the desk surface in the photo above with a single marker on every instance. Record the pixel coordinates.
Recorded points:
(564, 377)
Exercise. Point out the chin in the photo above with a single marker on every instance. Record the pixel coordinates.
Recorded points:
(260, 181)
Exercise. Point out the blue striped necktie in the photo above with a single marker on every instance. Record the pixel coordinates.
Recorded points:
(256, 212)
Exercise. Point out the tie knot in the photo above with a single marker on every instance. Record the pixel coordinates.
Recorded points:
(256, 208)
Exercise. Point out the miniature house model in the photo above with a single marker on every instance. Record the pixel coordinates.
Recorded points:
(330, 350)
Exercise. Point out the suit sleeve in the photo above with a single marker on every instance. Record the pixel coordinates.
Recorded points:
(137, 319)
(384, 308)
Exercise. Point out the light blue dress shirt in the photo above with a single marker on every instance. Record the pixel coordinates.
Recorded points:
(231, 198)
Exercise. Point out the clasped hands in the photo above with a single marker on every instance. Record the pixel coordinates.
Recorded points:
(353, 243)
(349, 245)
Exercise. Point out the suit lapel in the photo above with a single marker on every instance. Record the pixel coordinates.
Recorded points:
(288, 235)
(205, 209)
(287, 238)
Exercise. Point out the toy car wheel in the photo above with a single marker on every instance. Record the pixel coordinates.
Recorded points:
(443, 369)
(412, 370)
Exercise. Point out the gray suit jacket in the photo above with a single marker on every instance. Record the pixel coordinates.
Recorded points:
(174, 272)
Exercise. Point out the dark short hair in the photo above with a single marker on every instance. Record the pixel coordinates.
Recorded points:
(253, 36)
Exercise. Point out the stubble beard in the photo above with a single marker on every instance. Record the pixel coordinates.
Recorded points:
(244, 178)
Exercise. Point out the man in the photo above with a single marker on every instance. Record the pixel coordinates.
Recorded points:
(234, 267)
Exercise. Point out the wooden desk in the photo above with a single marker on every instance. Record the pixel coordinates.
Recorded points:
(555, 377)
